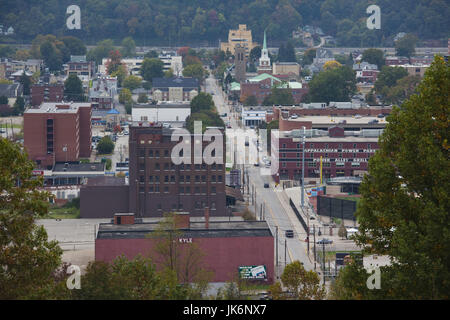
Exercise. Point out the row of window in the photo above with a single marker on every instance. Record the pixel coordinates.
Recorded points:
(340, 146)
(299, 155)
(180, 206)
(181, 190)
(181, 167)
(181, 179)
(324, 164)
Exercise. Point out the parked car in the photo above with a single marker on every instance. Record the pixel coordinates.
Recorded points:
(289, 233)
(380, 115)
(325, 241)
(266, 185)
(373, 121)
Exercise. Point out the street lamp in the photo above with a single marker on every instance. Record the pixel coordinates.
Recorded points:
(303, 182)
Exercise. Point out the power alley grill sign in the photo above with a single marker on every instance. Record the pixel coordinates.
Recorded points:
(253, 272)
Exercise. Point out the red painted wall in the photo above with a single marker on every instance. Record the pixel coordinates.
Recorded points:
(222, 255)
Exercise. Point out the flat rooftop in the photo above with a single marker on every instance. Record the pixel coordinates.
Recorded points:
(217, 229)
(79, 167)
(367, 137)
(335, 120)
(53, 107)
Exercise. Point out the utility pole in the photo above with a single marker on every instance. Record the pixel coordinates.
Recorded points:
(314, 231)
(323, 254)
(285, 249)
(254, 196)
(276, 245)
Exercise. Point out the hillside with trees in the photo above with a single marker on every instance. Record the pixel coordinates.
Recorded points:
(174, 23)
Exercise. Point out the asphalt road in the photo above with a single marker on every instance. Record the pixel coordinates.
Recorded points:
(276, 213)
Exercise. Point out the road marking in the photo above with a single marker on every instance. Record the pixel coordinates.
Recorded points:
(276, 223)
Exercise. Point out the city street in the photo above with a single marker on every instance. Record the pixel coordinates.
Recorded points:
(275, 211)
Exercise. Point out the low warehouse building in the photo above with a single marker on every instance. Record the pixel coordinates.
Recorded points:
(228, 246)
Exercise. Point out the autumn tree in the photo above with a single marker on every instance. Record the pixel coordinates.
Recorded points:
(27, 258)
(132, 82)
(333, 64)
(301, 284)
(404, 208)
(114, 62)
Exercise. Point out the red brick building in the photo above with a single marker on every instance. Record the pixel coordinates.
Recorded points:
(261, 87)
(343, 153)
(158, 185)
(57, 132)
(46, 93)
(226, 245)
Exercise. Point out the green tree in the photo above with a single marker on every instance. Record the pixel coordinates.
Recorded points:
(121, 73)
(151, 54)
(101, 51)
(25, 81)
(337, 84)
(73, 88)
(105, 145)
(125, 96)
(387, 78)
(207, 117)
(308, 57)
(255, 53)
(142, 98)
(251, 101)
(76, 46)
(403, 89)
(302, 284)
(126, 279)
(27, 258)
(371, 99)
(3, 100)
(19, 106)
(404, 206)
(168, 73)
(203, 101)
(406, 45)
(128, 47)
(195, 71)
(152, 68)
(132, 82)
(51, 55)
(279, 96)
(374, 56)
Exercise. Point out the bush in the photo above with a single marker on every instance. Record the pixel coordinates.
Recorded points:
(105, 145)
(108, 164)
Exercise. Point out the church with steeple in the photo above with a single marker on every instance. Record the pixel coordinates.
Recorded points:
(264, 61)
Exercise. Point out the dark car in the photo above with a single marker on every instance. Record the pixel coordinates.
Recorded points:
(324, 241)
(266, 185)
(289, 234)
(380, 115)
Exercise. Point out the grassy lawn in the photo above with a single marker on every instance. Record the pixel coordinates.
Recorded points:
(62, 213)
(356, 199)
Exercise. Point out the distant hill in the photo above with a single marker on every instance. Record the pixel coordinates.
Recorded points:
(182, 21)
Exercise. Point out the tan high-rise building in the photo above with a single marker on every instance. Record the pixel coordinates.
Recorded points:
(241, 36)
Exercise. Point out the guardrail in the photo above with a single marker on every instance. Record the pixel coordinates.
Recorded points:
(299, 216)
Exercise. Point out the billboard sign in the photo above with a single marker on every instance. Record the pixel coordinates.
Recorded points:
(253, 272)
